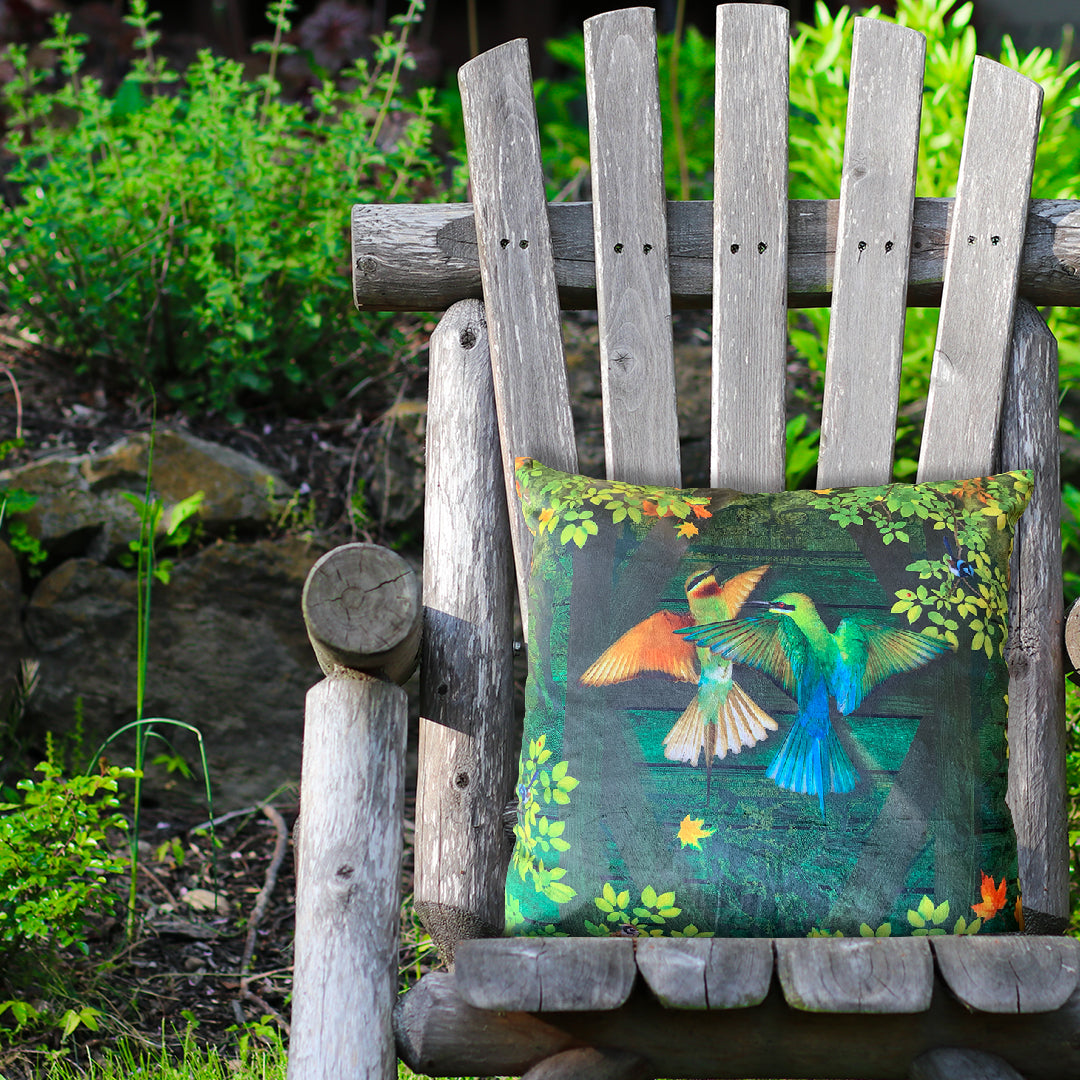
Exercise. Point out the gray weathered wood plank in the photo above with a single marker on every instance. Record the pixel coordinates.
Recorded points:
(361, 605)
(706, 973)
(979, 293)
(552, 974)
(467, 756)
(520, 295)
(848, 975)
(1015, 974)
(954, 1063)
(348, 879)
(441, 1035)
(877, 193)
(637, 359)
(1037, 786)
(423, 257)
(750, 220)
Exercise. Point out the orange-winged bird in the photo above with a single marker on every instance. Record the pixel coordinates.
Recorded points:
(721, 718)
(792, 645)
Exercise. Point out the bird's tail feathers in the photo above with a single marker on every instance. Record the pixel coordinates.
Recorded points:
(741, 722)
(811, 763)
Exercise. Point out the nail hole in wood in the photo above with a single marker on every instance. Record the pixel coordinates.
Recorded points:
(995, 240)
(762, 247)
(646, 249)
(862, 245)
(971, 239)
(523, 244)
(442, 689)
(734, 249)
(504, 242)
(618, 249)
(917, 245)
(888, 246)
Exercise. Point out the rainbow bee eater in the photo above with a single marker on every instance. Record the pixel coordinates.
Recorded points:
(792, 645)
(721, 718)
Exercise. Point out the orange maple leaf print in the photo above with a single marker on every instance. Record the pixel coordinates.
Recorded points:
(648, 508)
(691, 831)
(688, 529)
(993, 898)
(700, 511)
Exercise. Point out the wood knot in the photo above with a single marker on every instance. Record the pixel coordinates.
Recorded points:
(461, 780)
(367, 265)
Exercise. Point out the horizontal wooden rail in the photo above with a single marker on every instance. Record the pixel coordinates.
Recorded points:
(423, 257)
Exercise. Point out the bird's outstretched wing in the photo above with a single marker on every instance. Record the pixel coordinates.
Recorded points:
(870, 653)
(769, 643)
(651, 646)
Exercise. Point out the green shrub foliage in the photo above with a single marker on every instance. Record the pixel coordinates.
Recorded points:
(191, 232)
(55, 859)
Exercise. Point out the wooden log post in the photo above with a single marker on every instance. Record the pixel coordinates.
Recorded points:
(1029, 440)
(467, 747)
(362, 608)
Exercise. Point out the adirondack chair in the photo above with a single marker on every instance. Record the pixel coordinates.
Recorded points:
(913, 1007)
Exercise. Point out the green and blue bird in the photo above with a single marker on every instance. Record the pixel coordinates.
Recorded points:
(792, 645)
(721, 718)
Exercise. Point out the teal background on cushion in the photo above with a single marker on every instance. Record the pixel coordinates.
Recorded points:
(598, 846)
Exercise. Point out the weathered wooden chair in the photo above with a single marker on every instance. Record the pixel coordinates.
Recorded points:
(914, 1007)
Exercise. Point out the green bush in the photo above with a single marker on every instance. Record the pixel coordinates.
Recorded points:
(55, 861)
(191, 233)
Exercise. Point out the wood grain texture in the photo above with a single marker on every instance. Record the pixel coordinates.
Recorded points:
(952, 1063)
(467, 753)
(855, 976)
(1037, 785)
(750, 218)
(637, 358)
(589, 1063)
(423, 257)
(361, 605)
(520, 295)
(348, 880)
(1018, 974)
(546, 974)
(440, 1034)
(706, 973)
(979, 294)
(877, 193)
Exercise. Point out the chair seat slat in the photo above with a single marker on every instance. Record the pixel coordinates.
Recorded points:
(877, 192)
(979, 292)
(637, 360)
(520, 295)
(750, 247)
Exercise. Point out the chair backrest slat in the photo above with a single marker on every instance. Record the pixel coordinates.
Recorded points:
(981, 273)
(520, 295)
(873, 242)
(750, 225)
(637, 359)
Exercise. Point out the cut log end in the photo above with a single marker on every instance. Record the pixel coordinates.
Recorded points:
(363, 612)
(1072, 635)
(448, 925)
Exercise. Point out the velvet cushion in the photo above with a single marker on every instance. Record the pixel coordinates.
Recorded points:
(765, 715)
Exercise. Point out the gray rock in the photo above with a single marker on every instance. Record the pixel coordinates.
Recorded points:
(228, 654)
(81, 505)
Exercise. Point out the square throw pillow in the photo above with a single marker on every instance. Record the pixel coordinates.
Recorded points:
(765, 715)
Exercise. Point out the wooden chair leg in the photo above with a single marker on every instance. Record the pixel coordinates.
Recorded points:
(588, 1063)
(952, 1063)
